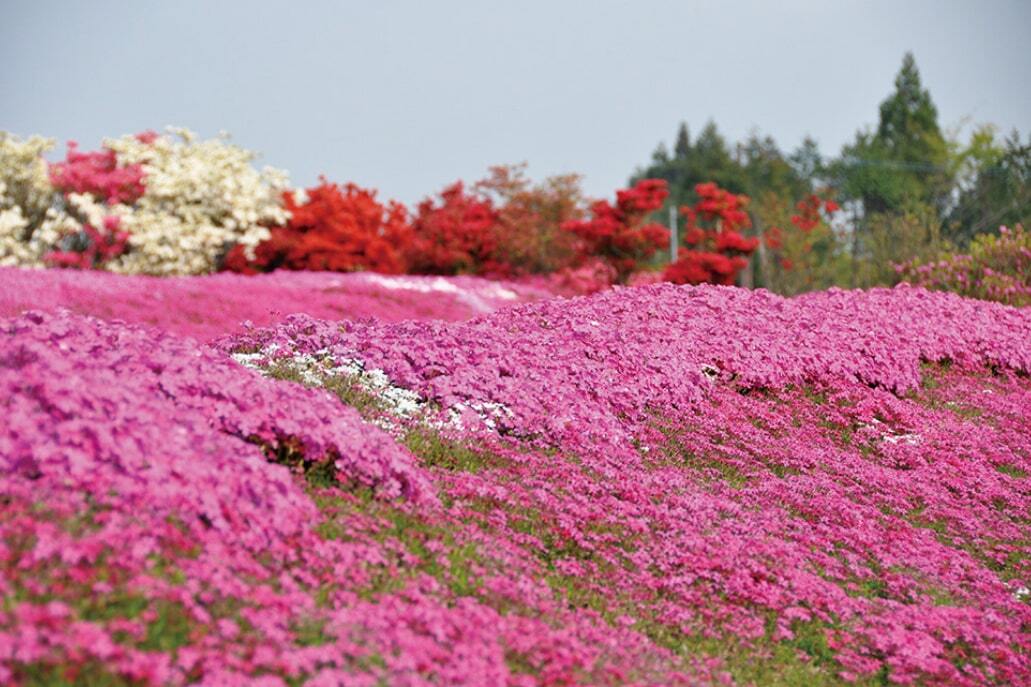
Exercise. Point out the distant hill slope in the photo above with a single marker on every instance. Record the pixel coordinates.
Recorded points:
(210, 306)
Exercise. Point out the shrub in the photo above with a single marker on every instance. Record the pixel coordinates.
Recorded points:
(99, 175)
(26, 200)
(331, 228)
(619, 234)
(886, 239)
(716, 250)
(455, 234)
(201, 199)
(149, 203)
(799, 250)
(529, 235)
(997, 268)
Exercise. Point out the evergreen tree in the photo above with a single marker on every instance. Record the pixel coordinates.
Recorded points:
(765, 168)
(807, 161)
(711, 160)
(683, 144)
(906, 160)
(706, 159)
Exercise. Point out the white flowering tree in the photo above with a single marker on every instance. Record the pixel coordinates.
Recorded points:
(198, 198)
(29, 220)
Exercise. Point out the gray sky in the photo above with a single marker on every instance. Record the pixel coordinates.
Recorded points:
(408, 96)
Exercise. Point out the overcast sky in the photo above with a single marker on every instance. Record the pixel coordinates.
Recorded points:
(409, 96)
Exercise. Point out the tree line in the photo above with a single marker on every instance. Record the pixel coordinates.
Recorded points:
(907, 189)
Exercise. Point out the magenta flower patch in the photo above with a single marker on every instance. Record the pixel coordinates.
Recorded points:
(653, 486)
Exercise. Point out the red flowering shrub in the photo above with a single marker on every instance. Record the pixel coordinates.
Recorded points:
(716, 250)
(453, 235)
(337, 229)
(808, 216)
(93, 247)
(529, 238)
(98, 174)
(619, 233)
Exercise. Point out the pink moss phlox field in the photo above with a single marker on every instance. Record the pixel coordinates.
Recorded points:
(210, 306)
(752, 467)
(581, 369)
(114, 408)
(650, 486)
(147, 536)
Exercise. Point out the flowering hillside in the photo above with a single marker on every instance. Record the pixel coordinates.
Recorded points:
(655, 486)
(205, 307)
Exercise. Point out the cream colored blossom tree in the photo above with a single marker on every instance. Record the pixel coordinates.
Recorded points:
(202, 197)
(27, 212)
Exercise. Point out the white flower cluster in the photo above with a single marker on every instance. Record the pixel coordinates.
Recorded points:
(316, 369)
(27, 212)
(202, 198)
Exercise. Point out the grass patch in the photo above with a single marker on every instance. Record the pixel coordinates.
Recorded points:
(311, 632)
(345, 387)
(1011, 470)
(449, 454)
(171, 628)
(433, 549)
(674, 452)
(93, 673)
(806, 660)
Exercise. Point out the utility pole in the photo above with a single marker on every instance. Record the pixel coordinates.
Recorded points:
(673, 233)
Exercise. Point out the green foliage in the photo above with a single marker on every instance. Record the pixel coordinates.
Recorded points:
(750, 167)
(994, 188)
(1012, 470)
(92, 673)
(906, 160)
(808, 260)
(997, 268)
(913, 232)
(437, 450)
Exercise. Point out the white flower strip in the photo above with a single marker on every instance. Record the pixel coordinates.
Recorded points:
(396, 401)
(473, 298)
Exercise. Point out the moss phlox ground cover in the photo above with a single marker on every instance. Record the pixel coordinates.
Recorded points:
(210, 306)
(656, 486)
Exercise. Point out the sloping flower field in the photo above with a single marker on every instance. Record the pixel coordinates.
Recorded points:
(653, 486)
(209, 306)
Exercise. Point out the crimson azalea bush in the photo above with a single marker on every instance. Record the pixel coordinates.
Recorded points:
(715, 250)
(453, 234)
(620, 234)
(504, 226)
(332, 228)
(996, 268)
(97, 174)
(91, 248)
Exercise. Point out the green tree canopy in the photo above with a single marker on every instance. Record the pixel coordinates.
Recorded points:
(750, 167)
(995, 187)
(906, 160)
